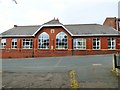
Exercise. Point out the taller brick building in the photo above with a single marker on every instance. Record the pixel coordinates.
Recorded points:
(55, 39)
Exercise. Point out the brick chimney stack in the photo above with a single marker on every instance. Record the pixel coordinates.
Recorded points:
(57, 19)
(112, 22)
(118, 21)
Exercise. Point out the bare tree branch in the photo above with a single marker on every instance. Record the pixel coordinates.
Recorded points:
(15, 1)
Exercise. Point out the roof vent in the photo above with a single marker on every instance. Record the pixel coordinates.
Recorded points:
(15, 25)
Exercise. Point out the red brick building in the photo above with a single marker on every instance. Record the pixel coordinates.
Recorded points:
(55, 39)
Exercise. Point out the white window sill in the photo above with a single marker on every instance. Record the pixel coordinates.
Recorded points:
(79, 49)
(27, 48)
(43, 48)
(96, 49)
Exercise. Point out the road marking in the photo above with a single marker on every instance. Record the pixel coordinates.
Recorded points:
(58, 63)
(96, 64)
(60, 66)
(44, 66)
(74, 82)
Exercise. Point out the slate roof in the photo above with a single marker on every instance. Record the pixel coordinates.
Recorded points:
(21, 30)
(73, 29)
(88, 29)
(53, 21)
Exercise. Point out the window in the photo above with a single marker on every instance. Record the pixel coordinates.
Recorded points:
(3, 43)
(43, 41)
(111, 43)
(61, 41)
(96, 43)
(14, 43)
(80, 43)
(27, 43)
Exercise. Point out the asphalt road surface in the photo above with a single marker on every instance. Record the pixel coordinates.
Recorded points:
(84, 63)
(91, 71)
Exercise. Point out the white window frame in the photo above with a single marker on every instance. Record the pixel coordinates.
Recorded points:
(112, 46)
(3, 43)
(41, 40)
(76, 46)
(14, 44)
(24, 43)
(96, 41)
(60, 35)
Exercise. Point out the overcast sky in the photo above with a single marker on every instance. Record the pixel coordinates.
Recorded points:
(37, 12)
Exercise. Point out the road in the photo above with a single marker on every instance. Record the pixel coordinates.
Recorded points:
(57, 63)
(90, 69)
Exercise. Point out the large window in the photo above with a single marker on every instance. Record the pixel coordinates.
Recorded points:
(3, 43)
(79, 43)
(27, 43)
(96, 43)
(111, 43)
(61, 41)
(14, 43)
(43, 41)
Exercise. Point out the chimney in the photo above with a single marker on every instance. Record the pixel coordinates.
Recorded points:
(110, 21)
(15, 25)
(118, 24)
(57, 19)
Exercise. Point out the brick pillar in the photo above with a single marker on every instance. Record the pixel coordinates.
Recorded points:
(118, 43)
(70, 44)
(104, 43)
(89, 43)
(35, 46)
(19, 44)
(8, 43)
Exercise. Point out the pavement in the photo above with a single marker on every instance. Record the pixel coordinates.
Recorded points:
(91, 71)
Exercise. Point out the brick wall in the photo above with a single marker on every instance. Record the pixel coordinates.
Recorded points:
(35, 52)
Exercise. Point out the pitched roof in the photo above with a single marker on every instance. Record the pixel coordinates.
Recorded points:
(53, 21)
(21, 30)
(74, 29)
(90, 29)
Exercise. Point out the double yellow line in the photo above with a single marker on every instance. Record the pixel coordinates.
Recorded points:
(74, 82)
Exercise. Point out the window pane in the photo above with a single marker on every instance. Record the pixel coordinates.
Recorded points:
(27, 43)
(3, 43)
(111, 43)
(80, 43)
(43, 41)
(61, 41)
(96, 43)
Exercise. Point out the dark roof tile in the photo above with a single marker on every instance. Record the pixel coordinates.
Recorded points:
(74, 29)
